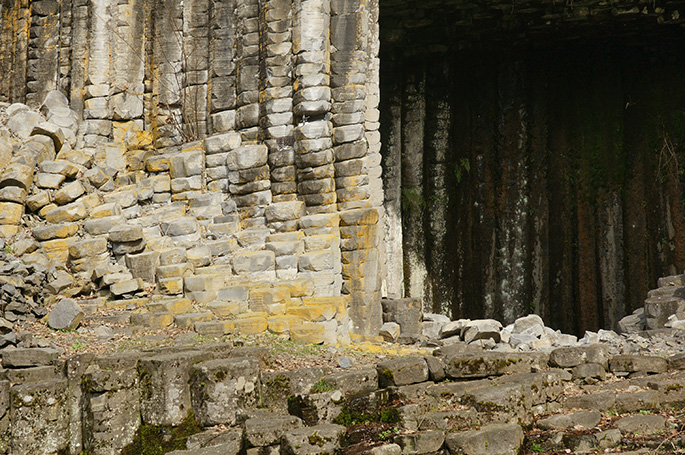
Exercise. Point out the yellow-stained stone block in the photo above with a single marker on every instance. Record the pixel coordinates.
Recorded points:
(274, 309)
(175, 306)
(356, 338)
(71, 212)
(300, 288)
(13, 280)
(156, 320)
(91, 201)
(251, 325)
(157, 163)
(58, 249)
(189, 320)
(226, 309)
(314, 313)
(340, 302)
(46, 209)
(8, 230)
(308, 333)
(170, 286)
(157, 243)
(125, 304)
(193, 146)
(283, 324)
(359, 217)
(11, 213)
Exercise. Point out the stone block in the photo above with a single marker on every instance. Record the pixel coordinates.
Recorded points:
(325, 438)
(39, 418)
(189, 320)
(251, 325)
(253, 262)
(164, 384)
(19, 175)
(635, 363)
(214, 328)
(11, 213)
(125, 233)
(127, 287)
(71, 212)
(399, 372)
(500, 439)
(87, 248)
(13, 194)
(246, 157)
(308, 333)
(222, 388)
(143, 265)
(69, 192)
(264, 432)
(492, 364)
(54, 231)
(29, 357)
(66, 315)
(569, 357)
(222, 143)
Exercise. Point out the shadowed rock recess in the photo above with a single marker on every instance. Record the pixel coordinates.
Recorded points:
(211, 173)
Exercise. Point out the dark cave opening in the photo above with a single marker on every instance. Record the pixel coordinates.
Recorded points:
(534, 157)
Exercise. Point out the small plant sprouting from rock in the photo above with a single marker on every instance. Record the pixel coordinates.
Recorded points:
(322, 386)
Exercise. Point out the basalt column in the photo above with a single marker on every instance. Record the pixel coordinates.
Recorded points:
(97, 126)
(247, 46)
(43, 63)
(413, 200)
(195, 67)
(166, 75)
(312, 105)
(354, 36)
(391, 116)
(276, 62)
(437, 181)
(128, 70)
(222, 66)
(14, 46)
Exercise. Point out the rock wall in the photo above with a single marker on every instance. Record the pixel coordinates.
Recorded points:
(257, 118)
(217, 398)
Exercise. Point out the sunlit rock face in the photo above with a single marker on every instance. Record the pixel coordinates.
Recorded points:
(532, 156)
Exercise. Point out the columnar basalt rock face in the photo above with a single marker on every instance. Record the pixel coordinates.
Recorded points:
(521, 173)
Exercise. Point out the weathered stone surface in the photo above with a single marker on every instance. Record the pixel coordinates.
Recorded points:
(641, 424)
(568, 357)
(581, 419)
(490, 364)
(319, 439)
(633, 363)
(30, 432)
(497, 439)
(28, 357)
(164, 385)
(402, 371)
(263, 432)
(221, 388)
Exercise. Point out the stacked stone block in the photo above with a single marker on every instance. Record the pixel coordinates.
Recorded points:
(312, 105)
(277, 109)
(186, 170)
(97, 126)
(360, 237)
(65, 45)
(217, 149)
(222, 66)
(249, 184)
(349, 65)
(111, 407)
(247, 83)
(321, 259)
